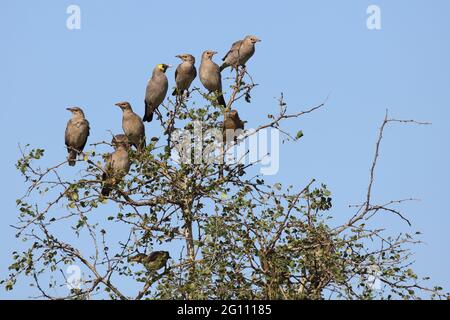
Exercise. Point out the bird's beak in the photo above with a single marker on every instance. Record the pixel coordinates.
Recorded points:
(69, 109)
(178, 56)
(214, 52)
(169, 66)
(258, 40)
(118, 104)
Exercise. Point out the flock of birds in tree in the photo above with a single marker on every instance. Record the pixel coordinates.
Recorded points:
(118, 162)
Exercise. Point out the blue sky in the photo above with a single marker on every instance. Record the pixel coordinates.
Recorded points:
(309, 49)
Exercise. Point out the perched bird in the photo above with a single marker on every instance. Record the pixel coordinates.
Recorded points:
(77, 132)
(153, 262)
(184, 74)
(232, 125)
(210, 75)
(117, 164)
(156, 90)
(132, 126)
(240, 52)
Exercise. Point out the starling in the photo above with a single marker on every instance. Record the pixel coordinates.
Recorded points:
(232, 126)
(117, 164)
(240, 52)
(156, 90)
(77, 132)
(184, 74)
(210, 75)
(132, 126)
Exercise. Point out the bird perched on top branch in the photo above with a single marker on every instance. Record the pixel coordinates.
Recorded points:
(240, 52)
(210, 76)
(184, 74)
(156, 90)
(77, 132)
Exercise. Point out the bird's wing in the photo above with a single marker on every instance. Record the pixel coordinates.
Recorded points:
(148, 91)
(156, 90)
(152, 256)
(108, 164)
(107, 169)
(176, 71)
(235, 46)
(87, 135)
(67, 133)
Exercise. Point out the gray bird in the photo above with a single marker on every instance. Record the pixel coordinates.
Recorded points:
(232, 125)
(210, 75)
(77, 132)
(117, 164)
(132, 126)
(184, 74)
(240, 52)
(156, 90)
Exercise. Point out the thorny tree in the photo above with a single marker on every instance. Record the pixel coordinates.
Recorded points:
(230, 235)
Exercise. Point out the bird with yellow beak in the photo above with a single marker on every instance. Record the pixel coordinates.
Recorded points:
(156, 90)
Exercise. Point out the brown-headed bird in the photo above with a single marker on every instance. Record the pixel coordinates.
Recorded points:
(77, 132)
(152, 262)
(184, 74)
(117, 164)
(156, 90)
(240, 52)
(132, 126)
(232, 126)
(210, 75)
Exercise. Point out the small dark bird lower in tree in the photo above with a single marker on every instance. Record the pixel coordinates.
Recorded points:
(232, 126)
(152, 262)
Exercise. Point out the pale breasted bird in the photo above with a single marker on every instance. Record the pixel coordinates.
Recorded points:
(76, 135)
(184, 74)
(117, 164)
(156, 90)
(240, 52)
(132, 126)
(210, 76)
(232, 126)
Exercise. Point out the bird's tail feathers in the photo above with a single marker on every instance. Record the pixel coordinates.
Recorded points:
(221, 100)
(148, 117)
(72, 158)
(106, 190)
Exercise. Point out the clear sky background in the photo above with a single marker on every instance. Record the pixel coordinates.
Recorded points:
(309, 49)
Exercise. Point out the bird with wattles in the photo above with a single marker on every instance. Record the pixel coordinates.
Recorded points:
(156, 90)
